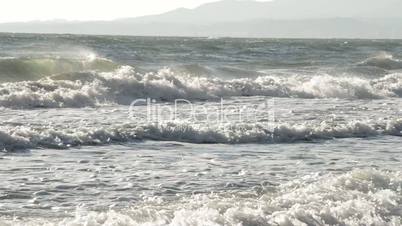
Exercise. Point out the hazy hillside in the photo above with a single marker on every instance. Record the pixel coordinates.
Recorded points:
(241, 10)
(247, 18)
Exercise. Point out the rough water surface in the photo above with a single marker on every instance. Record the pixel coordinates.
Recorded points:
(266, 132)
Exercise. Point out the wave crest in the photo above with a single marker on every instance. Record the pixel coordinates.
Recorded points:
(124, 85)
(27, 137)
(383, 60)
(29, 69)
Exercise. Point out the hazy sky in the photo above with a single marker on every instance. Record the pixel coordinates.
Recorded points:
(26, 10)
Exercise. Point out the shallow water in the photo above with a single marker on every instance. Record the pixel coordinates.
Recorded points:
(162, 183)
(272, 132)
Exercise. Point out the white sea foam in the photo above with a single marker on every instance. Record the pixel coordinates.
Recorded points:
(53, 136)
(125, 85)
(360, 197)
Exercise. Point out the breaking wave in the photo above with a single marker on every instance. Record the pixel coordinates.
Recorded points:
(383, 60)
(59, 136)
(29, 69)
(122, 86)
(359, 197)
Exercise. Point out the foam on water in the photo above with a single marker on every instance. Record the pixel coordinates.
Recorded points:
(360, 197)
(57, 136)
(177, 172)
(125, 85)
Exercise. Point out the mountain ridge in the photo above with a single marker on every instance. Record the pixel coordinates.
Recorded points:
(235, 18)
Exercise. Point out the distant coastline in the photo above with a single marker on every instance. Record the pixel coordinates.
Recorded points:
(231, 18)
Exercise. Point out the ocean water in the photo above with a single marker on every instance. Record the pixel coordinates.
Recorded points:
(103, 130)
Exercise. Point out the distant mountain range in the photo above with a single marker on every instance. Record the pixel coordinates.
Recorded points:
(248, 18)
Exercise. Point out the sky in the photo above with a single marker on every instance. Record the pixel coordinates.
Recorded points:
(28, 10)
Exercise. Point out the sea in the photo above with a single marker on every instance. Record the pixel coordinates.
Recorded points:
(180, 131)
